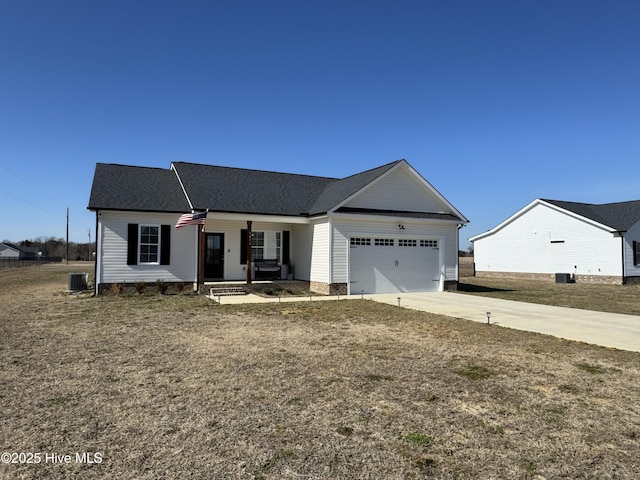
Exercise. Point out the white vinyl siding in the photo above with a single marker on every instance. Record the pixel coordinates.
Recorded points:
(632, 235)
(546, 240)
(399, 191)
(301, 250)
(113, 240)
(319, 271)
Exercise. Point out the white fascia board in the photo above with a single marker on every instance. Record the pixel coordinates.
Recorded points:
(386, 218)
(257, 217)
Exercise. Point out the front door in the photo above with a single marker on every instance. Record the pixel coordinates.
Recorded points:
(214, 256)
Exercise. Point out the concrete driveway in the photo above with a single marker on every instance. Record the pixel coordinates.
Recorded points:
(599, 328)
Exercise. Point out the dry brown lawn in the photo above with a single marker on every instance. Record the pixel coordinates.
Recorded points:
(598, 297)
(177, 386)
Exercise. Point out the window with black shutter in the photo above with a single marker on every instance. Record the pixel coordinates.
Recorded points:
(148, 244)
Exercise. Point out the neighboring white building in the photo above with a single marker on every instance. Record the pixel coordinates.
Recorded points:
(592, 243)
(9, 250)
(382, 230)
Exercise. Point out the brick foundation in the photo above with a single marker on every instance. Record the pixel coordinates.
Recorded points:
(328, 289)
(551, 277)
(149, 287)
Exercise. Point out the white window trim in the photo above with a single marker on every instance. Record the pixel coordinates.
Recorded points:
(267, 246)
(140, 244)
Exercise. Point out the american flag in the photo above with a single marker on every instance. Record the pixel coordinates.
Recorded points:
(192, 219)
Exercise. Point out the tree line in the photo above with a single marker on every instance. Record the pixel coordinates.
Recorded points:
(57, 247)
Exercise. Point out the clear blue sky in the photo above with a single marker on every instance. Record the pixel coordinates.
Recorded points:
(496, 103)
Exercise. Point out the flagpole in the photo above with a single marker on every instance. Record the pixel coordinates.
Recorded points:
(202, 254)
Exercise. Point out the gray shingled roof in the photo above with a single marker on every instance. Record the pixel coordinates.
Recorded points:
(620, 216)
(123, 187)
(225, 189)
(239, 190)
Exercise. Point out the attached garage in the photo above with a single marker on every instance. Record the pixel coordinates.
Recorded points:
(391, 265)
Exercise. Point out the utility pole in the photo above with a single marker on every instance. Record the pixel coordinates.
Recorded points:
(90, 245)
(67, 235)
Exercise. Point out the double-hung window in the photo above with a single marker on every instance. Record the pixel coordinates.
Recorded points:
(257, 245)
(266, 245)
(149, 243)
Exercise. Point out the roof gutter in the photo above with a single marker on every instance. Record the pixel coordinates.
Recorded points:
(258, 217)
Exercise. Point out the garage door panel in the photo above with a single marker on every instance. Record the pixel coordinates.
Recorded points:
(390, 269)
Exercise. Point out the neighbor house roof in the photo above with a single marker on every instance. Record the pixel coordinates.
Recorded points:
(620, 216)
(190, 186)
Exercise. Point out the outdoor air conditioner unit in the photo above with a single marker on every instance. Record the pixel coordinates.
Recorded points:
(78, 282)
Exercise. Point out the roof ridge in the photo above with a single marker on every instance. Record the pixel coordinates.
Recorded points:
(589, 204)
(113, 164)
(374, 168)
(617, 203)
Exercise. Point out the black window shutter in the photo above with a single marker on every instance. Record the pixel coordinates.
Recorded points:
(635, 252)
(165, 244)
(243, 247)
(132, 244)
(285, 247)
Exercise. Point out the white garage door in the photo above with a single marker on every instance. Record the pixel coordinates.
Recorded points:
(390, 265)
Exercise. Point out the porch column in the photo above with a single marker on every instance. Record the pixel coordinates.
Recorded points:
(249, 252)
(201, 245)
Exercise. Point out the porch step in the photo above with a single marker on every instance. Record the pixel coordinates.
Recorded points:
(226, 291)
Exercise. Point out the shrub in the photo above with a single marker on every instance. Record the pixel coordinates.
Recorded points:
(161, 286)
(116, 288)
(141, 287)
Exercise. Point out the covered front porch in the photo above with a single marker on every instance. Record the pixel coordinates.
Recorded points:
(242, 249)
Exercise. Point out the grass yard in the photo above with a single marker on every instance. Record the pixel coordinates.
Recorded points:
(598, 297)
(176, 386)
